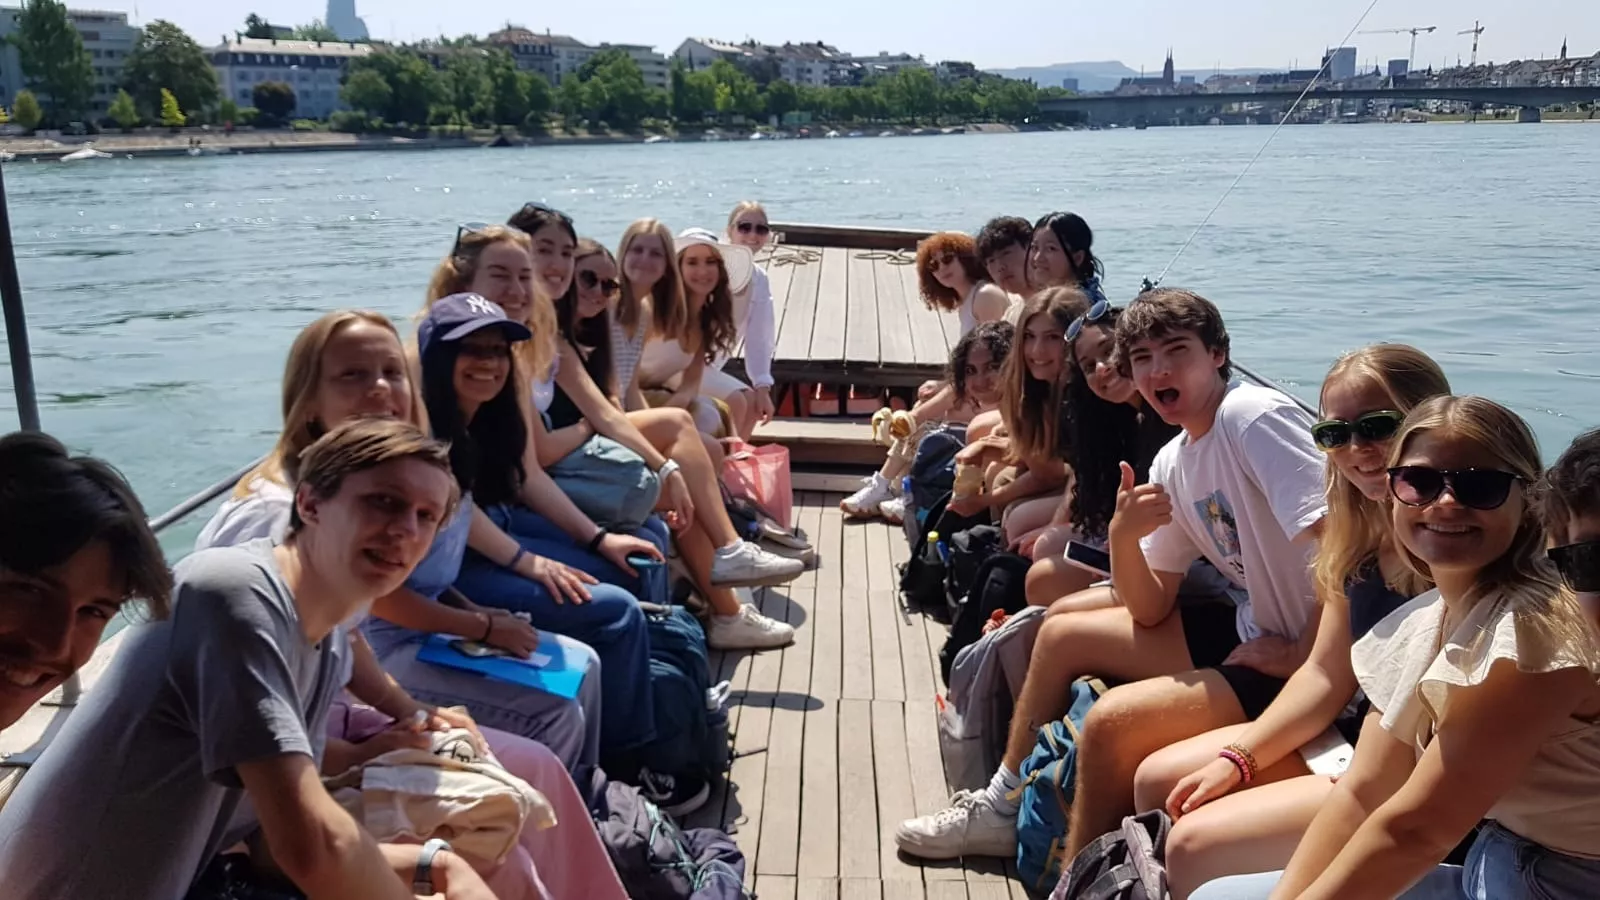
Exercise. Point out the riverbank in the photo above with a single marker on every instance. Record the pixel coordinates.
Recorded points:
(211, 143)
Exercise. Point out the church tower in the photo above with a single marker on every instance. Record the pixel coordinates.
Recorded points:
(1166, 70)
(343, 20)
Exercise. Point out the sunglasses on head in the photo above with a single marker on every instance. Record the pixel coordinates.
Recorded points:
(470, 228)
(1098, 311)
(1381, 425)
(589, 281)
(760, 228)
(534, 206)
(1482, 489)
(1579, 565)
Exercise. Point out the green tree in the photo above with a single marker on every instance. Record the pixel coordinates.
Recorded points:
(512, 89)
(367, 91)
(782, 98)
(275, 99)
(736, 92)
(318, 30)
(257, 27)
(171, 115)
(227, 111)
(572, 99)
(166, 58)
(468, 90)
(123, 112)
(541, 99)
(698, 98)
(25, 109)
(53, 59)
(414, 85)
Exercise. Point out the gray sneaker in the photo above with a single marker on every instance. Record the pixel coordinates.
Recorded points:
(746, 565)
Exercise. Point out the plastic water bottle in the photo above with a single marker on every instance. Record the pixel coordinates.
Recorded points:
(905, 486)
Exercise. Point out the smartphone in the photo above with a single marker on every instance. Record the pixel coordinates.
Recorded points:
(475, 649)
(1328, 754)
(640, 561)
(1090, 558)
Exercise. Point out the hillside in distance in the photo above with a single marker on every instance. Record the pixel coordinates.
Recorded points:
(1104, 76)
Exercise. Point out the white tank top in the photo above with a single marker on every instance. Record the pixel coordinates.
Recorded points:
(968, 320)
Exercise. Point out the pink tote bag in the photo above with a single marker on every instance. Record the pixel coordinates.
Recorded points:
(761, 474)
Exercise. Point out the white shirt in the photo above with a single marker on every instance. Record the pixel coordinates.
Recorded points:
(1242, 497)
(756, 322)
(262, 513)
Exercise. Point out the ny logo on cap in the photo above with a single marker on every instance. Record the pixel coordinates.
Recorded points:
(482, 307)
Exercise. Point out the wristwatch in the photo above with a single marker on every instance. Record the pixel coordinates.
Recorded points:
(422, 881)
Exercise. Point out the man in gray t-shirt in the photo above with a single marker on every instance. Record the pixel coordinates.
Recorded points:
(228, 679)
(229, 699)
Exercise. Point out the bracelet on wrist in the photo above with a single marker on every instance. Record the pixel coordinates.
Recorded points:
(594, 542)
(521, 552)
(422, 881)
(667, 469)
(1242, 760)
(488, 627)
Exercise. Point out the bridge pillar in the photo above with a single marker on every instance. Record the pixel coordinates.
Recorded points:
(1529, 114)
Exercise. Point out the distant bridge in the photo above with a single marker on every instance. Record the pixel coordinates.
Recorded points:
(1165, 107)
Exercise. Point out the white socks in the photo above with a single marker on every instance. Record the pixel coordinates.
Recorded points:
(1004, 783)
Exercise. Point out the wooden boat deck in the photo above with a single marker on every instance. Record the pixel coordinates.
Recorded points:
(835, 736)
(849, 310)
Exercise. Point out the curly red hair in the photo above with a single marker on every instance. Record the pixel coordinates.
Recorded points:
(934, 294)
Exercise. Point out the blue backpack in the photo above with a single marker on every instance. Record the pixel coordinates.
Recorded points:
(656, 859)
(1049, 780)
(933, 475)
(690, 739)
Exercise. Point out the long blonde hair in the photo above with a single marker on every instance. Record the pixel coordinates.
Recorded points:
(668, 312)
(739, 209)
(456, 271)
(1522, 578)
(1030, 408)
(1356, 528)
(302, 376)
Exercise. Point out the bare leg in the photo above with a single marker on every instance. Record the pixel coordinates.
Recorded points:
(1252, 831)
(1026, 515)
(672, 432)
(1128, 724)
(1050, 577)
(739, 407)
(1162, 770)
(1105, 642)
(698, 552)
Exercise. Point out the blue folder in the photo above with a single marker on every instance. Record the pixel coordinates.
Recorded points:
(554, 668)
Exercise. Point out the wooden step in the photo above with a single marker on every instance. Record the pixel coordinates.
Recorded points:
(824, 445)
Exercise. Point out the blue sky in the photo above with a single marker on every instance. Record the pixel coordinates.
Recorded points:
(1203, 35)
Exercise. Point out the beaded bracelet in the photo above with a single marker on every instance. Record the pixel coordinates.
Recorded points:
(1238, 763)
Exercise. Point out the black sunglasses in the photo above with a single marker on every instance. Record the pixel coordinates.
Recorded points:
(1372, 427)
(1482, 489)
(589, 281)
(755, 227)
(476, 228)
(1098, 311)
(1579, 565)
(534, 206)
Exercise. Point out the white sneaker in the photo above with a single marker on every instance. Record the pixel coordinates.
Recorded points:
(893, 510)
(746, 565)
(748, 630)
(969, 827)
(863, 504)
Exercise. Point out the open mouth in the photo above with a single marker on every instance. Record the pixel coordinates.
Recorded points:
(1167, 396)
(24, 677)
(385, 561)
(1370, 471)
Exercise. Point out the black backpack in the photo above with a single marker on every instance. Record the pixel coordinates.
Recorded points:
(967, 551)
(1126, 864)
(923, 577)
(1001, 582)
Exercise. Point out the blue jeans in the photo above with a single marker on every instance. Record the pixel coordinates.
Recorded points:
(1500, 866)
(525, 524)
(611, 622)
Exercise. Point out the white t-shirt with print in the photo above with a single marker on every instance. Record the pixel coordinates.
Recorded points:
(1243, 497)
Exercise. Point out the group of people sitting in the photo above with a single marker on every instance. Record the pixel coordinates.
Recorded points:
(518, 479)
(1343, 649)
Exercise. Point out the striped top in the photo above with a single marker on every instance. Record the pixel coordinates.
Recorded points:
(625, 354)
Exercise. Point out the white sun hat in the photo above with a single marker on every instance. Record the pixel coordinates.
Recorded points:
(737, 260)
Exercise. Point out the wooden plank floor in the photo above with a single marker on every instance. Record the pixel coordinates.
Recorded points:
(848, 313)
(835, 736)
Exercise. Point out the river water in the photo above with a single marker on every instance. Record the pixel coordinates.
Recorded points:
(163, 294)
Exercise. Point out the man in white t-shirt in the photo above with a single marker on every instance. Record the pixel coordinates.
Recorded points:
(1242, 489)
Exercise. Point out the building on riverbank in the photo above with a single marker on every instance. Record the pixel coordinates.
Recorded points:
(107, 37)
(313, 68)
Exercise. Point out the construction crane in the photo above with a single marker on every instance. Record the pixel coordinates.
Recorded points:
(1475, 31)
(1411, 60)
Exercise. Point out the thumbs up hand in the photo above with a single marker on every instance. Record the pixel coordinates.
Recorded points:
(1141, 509)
